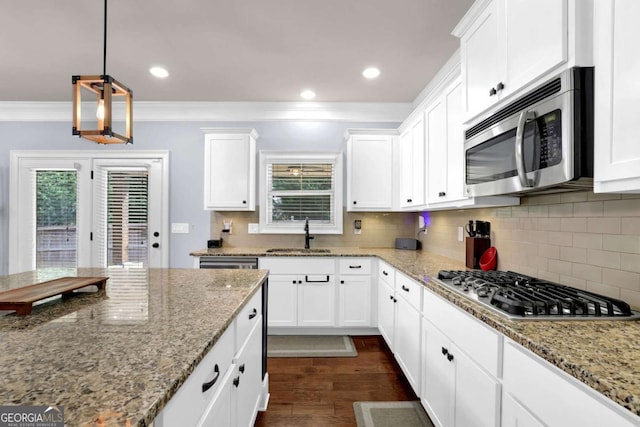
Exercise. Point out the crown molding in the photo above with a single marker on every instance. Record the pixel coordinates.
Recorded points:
(145, 111)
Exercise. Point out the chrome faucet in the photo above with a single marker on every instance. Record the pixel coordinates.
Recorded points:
(307, 238)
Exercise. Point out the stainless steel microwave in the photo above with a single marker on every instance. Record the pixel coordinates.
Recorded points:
(540, 143)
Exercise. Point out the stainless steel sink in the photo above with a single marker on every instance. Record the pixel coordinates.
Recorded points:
(298, 250)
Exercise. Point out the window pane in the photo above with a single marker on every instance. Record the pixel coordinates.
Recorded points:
(56, 205)
(302, 177)
(298, 208)
(127, 228)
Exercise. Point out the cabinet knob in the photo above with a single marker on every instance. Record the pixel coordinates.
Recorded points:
(442, 194)
(241, 368)
(355, 203)
(492, 91)
(342, 282)
(450, 357)
(156, 245)
(409, 200)
(500, 86)
(244, 202)
(236, 381)
(445, 351)
(294, 282)
(391, 297)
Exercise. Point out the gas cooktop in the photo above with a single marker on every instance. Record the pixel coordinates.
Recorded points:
(517, 296)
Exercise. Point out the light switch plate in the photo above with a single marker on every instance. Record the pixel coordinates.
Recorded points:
(254, 228)
(180, 227)
(460, 234)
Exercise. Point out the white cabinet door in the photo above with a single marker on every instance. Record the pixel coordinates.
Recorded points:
(532, 48)
(386, 313)
(316, 301)
(407, 345)
(514, 414)
(229, 169)
(370, 174)
(477, 394)
(617, 144)
(248, 379)
(283, 300)
(219, 412)
(436, 117)
(412, 165)
(354, 301)
(455, 144)
(482, 61)
(437, 392)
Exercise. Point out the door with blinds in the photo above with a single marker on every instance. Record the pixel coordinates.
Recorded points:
(61, 217)
(127, 213)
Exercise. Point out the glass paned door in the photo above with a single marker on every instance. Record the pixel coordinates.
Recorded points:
(56, 207)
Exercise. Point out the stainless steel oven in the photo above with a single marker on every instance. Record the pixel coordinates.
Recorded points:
(542, 142)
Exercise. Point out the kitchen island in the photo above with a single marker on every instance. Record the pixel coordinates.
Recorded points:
(603, 354)
(117, 357)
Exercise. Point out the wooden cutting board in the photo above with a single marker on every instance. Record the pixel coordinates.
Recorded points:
(21, 299)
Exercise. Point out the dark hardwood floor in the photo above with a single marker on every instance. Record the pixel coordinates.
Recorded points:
(319, 392)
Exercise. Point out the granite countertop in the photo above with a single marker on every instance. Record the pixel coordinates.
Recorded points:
(602, 354)
(115, 358)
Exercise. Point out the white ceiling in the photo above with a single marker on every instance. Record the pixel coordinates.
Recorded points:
(228, 50)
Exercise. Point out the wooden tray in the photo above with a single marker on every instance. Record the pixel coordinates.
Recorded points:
(21, 299)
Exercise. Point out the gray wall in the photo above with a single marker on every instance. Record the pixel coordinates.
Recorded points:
(184, 141)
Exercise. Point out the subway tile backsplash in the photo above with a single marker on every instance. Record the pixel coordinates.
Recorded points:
(581, 239)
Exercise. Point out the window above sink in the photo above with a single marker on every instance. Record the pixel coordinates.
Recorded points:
(296, 186)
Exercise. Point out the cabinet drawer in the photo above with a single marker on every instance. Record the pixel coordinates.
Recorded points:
(298, 265)
(539, 387)
(410, 290)
(190, 401)
(354, 266)
(478, 341)
(387, 274)
(248, 317)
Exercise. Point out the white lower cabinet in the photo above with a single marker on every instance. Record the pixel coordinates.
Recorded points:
(354, 292)
(387, 310)
(226, 388)
(407, 328)
(536, 391)
(460, 385)
(302, 291)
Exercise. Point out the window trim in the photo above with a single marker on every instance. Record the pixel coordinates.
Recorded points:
(335, 158)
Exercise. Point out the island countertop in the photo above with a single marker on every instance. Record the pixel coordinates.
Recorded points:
(604, 354)
(116, 357)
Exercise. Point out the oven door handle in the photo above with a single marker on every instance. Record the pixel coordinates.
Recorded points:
(525, 117)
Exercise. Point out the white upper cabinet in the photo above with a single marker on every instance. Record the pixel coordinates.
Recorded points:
(616, 145)
(370, 171)
(412, 164)
(507, 45)
(230, 169)
(445, 158)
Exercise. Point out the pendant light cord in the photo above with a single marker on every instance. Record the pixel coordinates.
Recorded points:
(104, 52)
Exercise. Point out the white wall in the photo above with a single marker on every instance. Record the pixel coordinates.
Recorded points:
(184, 140)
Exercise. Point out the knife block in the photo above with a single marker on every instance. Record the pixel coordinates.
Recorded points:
(476, 246)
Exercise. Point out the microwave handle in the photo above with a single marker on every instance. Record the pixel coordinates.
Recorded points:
(525, 116)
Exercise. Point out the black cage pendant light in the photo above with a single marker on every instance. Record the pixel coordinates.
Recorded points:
(106, 89)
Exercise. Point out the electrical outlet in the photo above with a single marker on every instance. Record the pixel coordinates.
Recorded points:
(180, 228)
(254, 228)
(460, 234)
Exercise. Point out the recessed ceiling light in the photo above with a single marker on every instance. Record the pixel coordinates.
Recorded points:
(371, 72)
(159, 72)
(308, 94)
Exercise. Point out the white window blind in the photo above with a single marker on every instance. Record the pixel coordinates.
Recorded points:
(298, 187)
(122, 216)
(56, 203)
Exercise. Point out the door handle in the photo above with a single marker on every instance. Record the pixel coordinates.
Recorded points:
(525, 116)
(206, 386)
(306, 279)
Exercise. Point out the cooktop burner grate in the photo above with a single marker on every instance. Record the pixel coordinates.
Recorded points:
(523, 296)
